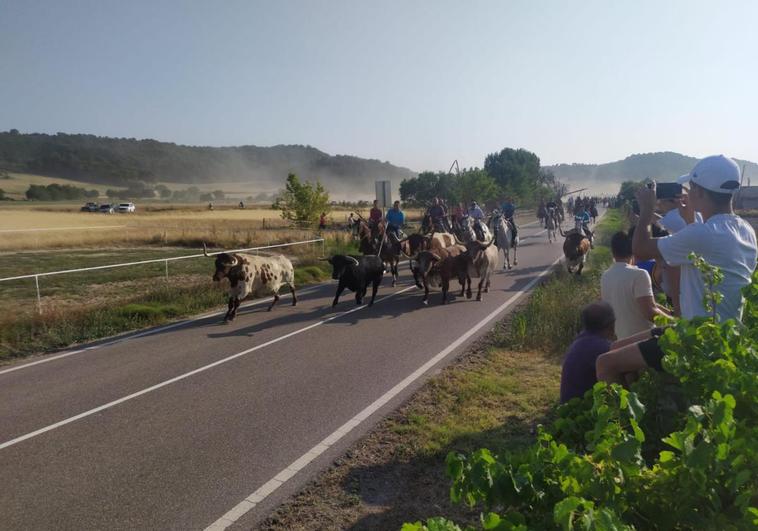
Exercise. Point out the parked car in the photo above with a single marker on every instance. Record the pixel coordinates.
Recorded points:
(126, 207)
(90, 207)
(106, 208)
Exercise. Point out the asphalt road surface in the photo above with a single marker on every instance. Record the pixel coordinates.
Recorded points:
(200, 424)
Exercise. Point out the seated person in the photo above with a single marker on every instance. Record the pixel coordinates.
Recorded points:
(724, 240)
(438, 216)
(578, 372)
(508, 209)
(628, 290)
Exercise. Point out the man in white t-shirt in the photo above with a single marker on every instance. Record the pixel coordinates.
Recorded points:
(724, 240)
(628, 290)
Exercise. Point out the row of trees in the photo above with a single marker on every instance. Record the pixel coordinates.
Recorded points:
(59, 192)
(511, 172)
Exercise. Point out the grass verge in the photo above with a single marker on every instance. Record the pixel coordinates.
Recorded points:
(60, 326)
(494, 396)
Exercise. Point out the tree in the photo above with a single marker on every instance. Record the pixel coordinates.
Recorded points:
(302, 201)
(628, 191)
(516, 171)
(163, 191)
(2, 194)
(428, 185)
(218, 195)
(473, 185)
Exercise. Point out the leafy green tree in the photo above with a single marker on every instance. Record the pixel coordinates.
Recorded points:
(302, 201)
(473, 185)
(628, 190)
(517, 172)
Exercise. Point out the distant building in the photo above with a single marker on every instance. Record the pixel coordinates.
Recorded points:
(747, 198)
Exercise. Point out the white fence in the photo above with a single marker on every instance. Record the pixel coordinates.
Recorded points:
(36, 276)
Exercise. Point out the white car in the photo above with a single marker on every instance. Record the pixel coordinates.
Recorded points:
(126, 207)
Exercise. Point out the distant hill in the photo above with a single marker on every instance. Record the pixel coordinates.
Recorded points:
(121, 161)
(663, 166)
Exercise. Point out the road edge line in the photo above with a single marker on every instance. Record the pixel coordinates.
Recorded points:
(256, 497)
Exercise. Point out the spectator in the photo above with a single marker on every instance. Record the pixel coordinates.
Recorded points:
(578, 372)
(628, 290)
(322, 221)
(724, 240)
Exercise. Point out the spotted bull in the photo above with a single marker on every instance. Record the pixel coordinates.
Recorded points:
(253, 275)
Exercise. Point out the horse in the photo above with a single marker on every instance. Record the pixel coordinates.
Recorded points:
(503, 231)
(472, 231)
(593, 213)
(551, 224)
(374, 240)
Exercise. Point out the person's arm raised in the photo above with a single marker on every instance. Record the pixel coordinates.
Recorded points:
(644, 245)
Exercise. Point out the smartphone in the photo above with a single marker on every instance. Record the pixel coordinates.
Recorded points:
(668, 190)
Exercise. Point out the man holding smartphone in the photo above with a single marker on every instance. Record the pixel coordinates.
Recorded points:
(724, 240)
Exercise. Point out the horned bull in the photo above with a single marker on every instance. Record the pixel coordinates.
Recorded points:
(253, 275)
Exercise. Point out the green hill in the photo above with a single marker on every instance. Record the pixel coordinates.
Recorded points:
(120, 161)
(663, 166)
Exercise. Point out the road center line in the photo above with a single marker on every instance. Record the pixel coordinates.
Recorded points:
(192, 373)
(151, 331)
(251, 501)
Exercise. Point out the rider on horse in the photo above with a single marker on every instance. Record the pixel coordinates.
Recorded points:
(582, 219)
(509, 211)
(477, 214)
(438, 216)
(395, 220)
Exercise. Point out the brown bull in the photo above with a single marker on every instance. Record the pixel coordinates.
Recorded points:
(440, 266)
(576, 247)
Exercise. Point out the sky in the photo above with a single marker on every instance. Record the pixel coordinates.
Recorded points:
(417, 83)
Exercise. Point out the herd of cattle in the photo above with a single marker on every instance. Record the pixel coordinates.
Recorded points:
(435, 259)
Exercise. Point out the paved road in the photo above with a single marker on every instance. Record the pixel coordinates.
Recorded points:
(201, 424)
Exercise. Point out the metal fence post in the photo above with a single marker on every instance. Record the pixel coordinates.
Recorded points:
(166, 271)
(323, 247)
(39, 298)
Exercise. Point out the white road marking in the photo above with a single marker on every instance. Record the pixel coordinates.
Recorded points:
(192, 372)
(152, 331)
(250, 502)
(183, 322)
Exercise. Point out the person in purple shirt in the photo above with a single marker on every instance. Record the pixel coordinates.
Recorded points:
(578, 373)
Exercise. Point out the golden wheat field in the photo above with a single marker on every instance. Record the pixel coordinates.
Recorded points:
(27, 228)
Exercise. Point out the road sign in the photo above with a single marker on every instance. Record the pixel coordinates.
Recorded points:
(384, 193)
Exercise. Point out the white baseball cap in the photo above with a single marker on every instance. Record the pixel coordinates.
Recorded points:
(716, 173)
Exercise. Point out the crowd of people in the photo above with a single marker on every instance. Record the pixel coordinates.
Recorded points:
(619, 338)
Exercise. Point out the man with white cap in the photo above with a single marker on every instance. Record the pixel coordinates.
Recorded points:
(724, 240)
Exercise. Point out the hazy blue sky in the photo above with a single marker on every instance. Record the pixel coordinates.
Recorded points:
(416, 83)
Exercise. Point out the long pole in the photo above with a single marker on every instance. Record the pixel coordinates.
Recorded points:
(39, 298)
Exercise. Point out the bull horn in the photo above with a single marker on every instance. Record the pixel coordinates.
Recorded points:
(324, 259)
(205, 250)
(234, 261)
(355, 262)
(491, 242)
(459, 242)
